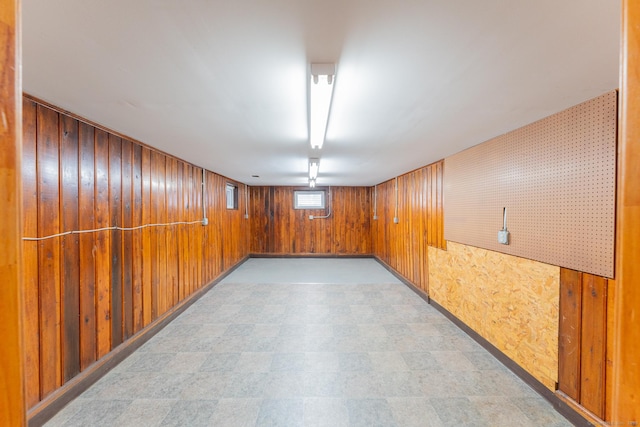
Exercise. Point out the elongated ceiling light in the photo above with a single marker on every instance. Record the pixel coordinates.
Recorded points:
(314, 164)
(322, 77)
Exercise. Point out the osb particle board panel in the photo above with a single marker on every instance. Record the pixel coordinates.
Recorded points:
(556, 177)
(512, 302)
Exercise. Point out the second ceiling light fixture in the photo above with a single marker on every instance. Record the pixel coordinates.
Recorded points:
(320, 93)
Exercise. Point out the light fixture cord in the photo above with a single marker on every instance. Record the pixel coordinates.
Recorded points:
(204, 184)
(330, 206)
(396, 215)
(375, 200)
(246, 200)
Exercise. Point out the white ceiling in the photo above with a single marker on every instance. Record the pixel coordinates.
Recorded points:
(223, 84)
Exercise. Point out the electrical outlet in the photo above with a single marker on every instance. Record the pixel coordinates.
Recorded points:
(503, 237)
(205, 221)
(310, 216)
(375, 217)
(396, 220)
(246, 216)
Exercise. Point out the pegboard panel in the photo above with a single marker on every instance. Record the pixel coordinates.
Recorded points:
(556, 178)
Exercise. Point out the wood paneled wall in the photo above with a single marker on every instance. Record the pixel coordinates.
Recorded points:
(582, 356)
(625, 330)
(12, 404)
(86, 294)
(278, 228)
(403, 246)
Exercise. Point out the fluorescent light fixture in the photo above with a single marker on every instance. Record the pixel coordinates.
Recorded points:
(314, 164)
(322, 76)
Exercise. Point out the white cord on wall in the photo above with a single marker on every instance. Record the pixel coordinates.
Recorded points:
(246, 201)
(205, 220)
(395, 217)
(95, 230)
(330, 205)
(375, 202)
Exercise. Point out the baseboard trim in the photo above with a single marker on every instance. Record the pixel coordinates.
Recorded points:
(422, 294)
(52, 404)
(560, 405)
(310, 255)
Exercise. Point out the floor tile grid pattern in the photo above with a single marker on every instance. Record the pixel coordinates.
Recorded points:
(310, 354)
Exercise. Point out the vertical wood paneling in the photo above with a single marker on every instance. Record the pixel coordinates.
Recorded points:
(188, 212)
(278, 228)
(137, 244)
(172, 241)
(147, 247)
(439, 194)
(404, 246)
(608, 375)
(70, 282)
(626, 369)
(191, 231)
(102, 243)
(198, 247)
(115, 219)
(127, 239)
(181, 230)
(570, 332)
(153, 237)
(87, 293)
(594, 323)
(30, 256)
(86, 221)
(583, 339)
(12, 397)
(161, 232)
(49, 250)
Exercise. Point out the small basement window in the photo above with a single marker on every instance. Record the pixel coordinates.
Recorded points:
(232, 196)
(308, 199)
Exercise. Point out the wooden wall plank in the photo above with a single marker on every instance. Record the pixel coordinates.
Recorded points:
(172, 239)
(608, 375)
(70, 284)
(188, 259)
(161, 231)
(115, 219)
(30, 255)
(102, 243)
(593, 351)
(12, 397)
(439, 194)
(181, 231)
(127, 239)
(49, 250)
(626, 369)
(147, 246)
(137, 249)
(198, 232)
(86, 221)
(570, 332)
(154, 219)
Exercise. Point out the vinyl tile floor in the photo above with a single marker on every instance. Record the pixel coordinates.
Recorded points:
(310, 342)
